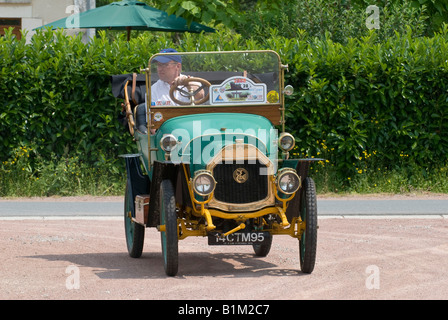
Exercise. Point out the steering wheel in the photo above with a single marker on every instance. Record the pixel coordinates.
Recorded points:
(190, 93)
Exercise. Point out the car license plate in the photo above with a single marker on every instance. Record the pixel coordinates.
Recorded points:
(238, 238)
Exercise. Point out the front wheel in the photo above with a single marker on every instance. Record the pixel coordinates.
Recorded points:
(169, 234)
(262, 250)
(135, 233)
(308, 213)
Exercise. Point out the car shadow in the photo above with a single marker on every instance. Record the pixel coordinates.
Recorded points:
(119, 265)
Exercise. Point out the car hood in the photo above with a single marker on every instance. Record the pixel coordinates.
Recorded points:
(202, 136)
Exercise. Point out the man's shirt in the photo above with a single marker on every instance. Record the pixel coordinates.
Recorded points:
(160, 94)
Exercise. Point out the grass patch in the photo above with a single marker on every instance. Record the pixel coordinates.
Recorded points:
(28, 175)
(411, 179)
(371, 172)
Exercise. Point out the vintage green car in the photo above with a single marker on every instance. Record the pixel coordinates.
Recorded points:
(217, 166)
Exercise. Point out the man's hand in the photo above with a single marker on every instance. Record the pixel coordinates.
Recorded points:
(182, 80)
(179, 81)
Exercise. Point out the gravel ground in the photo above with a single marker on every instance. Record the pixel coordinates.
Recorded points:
(397, 258)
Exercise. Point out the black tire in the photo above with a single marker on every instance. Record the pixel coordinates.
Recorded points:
(169, 236)
(135, 233)
(308, 213)
(262, 250)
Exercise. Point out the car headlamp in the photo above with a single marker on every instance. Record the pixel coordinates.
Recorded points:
(168, 143)
(203, 182)
(288, 181)
(286, 141)
(289, 90)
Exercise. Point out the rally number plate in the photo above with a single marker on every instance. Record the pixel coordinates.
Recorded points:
(238, 238)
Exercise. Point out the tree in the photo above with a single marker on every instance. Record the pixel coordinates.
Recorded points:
(437, 10)
(209, 11)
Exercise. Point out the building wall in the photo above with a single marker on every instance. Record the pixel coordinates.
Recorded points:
(36, 13)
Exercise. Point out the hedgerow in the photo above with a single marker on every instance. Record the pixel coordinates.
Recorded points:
(384, 97)
(387, 97)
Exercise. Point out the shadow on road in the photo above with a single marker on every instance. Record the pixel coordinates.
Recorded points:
(191, 264)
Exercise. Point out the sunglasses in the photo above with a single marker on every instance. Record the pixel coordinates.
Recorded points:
(165, 65)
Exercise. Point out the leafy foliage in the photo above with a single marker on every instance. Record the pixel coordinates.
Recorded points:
(437, 10)
(336, 20)
(381, 92)
(341, 18)
(55, 95)
(391, 98)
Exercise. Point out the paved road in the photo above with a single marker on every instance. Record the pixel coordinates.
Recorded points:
(382, 207)
(326, 207)
(61, 208)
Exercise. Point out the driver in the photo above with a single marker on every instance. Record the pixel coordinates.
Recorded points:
(169, 70)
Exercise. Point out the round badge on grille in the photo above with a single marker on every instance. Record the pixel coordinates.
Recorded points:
(240, 175)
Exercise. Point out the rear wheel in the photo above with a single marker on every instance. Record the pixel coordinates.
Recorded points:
(308, 213)
(169, 235)
(135, 233)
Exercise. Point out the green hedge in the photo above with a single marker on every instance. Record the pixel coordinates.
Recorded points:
(55, 96)
(386, 98)
(369, 96)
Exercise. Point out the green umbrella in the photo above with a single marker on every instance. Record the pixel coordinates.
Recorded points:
(127, 15)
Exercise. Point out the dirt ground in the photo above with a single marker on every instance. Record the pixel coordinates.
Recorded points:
(399, 258)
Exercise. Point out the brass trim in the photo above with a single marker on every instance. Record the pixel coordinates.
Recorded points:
(196, 176)
(240, 175)
(129, 113)
(280, 174)
(241, 152)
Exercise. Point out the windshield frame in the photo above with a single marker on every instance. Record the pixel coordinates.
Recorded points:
(279, 69)
(228, 107)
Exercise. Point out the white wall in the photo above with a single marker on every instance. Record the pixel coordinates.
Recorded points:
(36, 13)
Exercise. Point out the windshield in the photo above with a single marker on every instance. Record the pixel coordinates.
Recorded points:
(214, 78)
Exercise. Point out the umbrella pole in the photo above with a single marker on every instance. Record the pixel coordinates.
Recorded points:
(129, 32)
